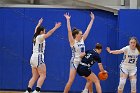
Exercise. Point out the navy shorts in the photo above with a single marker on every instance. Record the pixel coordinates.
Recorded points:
(83, 70)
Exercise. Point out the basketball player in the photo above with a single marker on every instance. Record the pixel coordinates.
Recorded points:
(76, 40)
(90, 57)
(37, 58)
(128, 65)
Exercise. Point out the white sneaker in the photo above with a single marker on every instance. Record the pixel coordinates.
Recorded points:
(26, 91)
(84, 91)
(35, 91)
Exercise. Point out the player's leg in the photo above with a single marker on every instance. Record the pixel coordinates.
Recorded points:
(35, 76)
(42, 73)
(72, 74)
(70, 81)
(133, 79)
(123, 77)
(92, 77)
(88, 87)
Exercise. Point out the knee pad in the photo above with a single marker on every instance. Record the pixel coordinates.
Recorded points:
(122, 83)
(133, 85)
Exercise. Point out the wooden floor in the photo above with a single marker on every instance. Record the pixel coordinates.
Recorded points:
(43, 92)
(23, 92)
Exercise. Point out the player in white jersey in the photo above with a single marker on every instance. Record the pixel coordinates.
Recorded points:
(76, 40)
(37, 58)
(128, 65)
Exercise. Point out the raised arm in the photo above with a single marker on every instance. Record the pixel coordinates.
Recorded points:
(39, 24)
(89, 26)
(70, 37)
(49, 33)
(114, 51)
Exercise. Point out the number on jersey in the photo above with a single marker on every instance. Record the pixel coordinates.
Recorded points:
(131, 61)
(88, 56)
(82, 49)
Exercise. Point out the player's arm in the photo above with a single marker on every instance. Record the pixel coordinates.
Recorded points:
(114, 51)
(39, 24)
(89, 26)
(70, 37)
(82, 54)
(101, 67)
(49, 33)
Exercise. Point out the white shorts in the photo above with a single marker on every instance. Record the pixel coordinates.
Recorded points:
(36, 60)
(74, 63)
(129, 71)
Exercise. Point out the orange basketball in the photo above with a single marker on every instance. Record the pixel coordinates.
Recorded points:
(103, 75)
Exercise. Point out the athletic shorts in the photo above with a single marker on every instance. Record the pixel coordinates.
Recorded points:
(36, 60)
(74, 63)
(83, 70)
(131, 71)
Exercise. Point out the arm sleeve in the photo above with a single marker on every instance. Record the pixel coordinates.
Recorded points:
(99, 59)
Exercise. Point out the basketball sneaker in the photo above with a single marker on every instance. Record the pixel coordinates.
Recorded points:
(85, 91)
(36, 91)
(26, 91)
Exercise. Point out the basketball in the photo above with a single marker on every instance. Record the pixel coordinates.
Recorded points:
(103, 75)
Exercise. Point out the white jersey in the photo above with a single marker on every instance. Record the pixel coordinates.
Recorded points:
(130, 57)
(39, 46)
(77, 49)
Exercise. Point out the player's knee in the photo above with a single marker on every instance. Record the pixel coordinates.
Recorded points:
(133, 85)
(35, 77)
(122, 83)
(43, 75)
(96, 81)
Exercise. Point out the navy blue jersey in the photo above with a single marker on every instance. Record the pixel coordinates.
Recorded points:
(91, 57)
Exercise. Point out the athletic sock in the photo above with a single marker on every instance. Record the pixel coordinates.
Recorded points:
(29, 89)
(37, 89)
(85, 91)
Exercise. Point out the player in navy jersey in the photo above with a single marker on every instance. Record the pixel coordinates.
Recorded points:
(90, 57)
(37, 58)
(128, 65)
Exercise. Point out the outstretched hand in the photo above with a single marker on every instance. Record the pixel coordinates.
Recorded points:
(57, 24)
(92, 15)
(105, 71)
(108, 49)
(40, 20)
(67, 15)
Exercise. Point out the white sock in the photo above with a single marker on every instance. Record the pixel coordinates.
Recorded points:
(85, 90)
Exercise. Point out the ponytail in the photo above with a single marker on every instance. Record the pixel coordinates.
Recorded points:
(39, 29)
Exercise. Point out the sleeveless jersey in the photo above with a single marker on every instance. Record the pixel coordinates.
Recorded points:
(130, 56)
(39, 46)
(90, 58)
(77, 49)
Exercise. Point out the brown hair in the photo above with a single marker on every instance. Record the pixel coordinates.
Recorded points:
(39, 29)
(98, 46)
(137, 43)
(75, 31)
